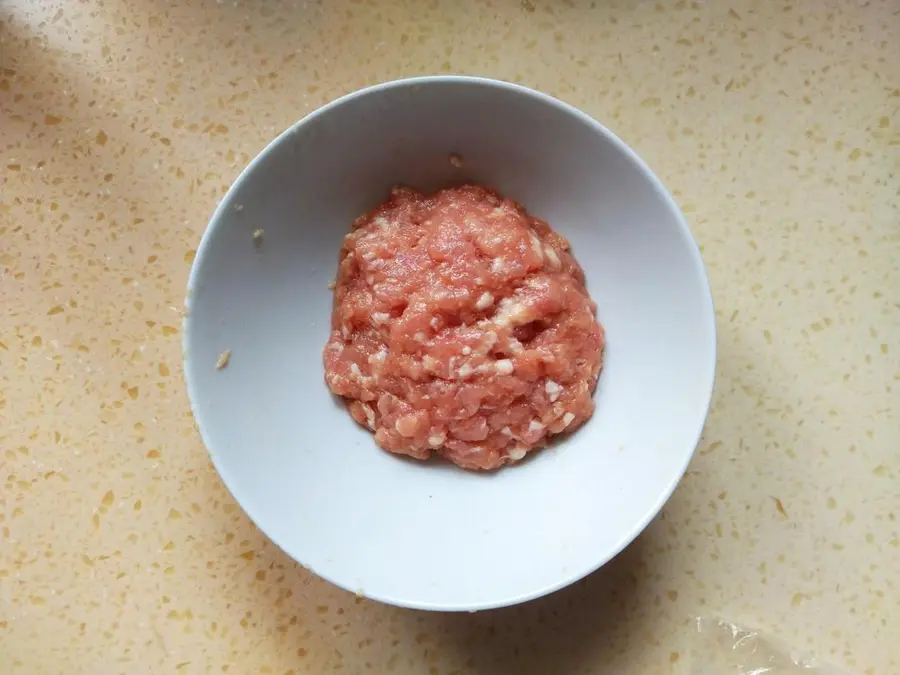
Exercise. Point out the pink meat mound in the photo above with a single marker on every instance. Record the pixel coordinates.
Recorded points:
(462, 327)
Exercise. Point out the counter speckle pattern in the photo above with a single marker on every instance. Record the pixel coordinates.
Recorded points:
(775, 123)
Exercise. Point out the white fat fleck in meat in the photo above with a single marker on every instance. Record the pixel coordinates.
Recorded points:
(534, 425)
(465, 370)
(437, 440)
(419, 336)
(381, 222)
(536, 245)
(513, 313)
(345, 332)
(553, 390)
(487, 343)
(370, 279)
(517, 453)
(485, 301)
(406, 426)
(466, 350)
(354, 369)
(381, 317)
(567, 419)
(506, 431)
(378, 357)
(497, 265)
(370, 415)
(496, 240)
(435, 322)
(336, 347)
(552, 256)
(504, 367)
(430, 363)
(540, 283)
(514, 346)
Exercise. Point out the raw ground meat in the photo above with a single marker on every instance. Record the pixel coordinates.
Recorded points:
(462, 327)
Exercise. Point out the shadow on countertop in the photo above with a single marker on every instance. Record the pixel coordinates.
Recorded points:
(560, 633)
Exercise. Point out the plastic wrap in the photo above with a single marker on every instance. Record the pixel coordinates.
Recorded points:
(722, 648)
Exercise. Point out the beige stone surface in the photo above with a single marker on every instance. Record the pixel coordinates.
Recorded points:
(775, 123)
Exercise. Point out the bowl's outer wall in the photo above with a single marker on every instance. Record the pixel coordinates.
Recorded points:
(430, 535)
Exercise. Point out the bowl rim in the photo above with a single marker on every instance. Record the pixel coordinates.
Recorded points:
(215, 220)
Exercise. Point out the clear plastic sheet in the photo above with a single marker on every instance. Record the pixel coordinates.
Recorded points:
(722, 648)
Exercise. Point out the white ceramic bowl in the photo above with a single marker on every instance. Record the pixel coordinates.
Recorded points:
(429, 535)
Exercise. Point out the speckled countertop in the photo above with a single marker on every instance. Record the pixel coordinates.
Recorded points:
(776, 124)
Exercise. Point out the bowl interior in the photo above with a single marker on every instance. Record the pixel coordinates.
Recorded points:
(430, 535)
